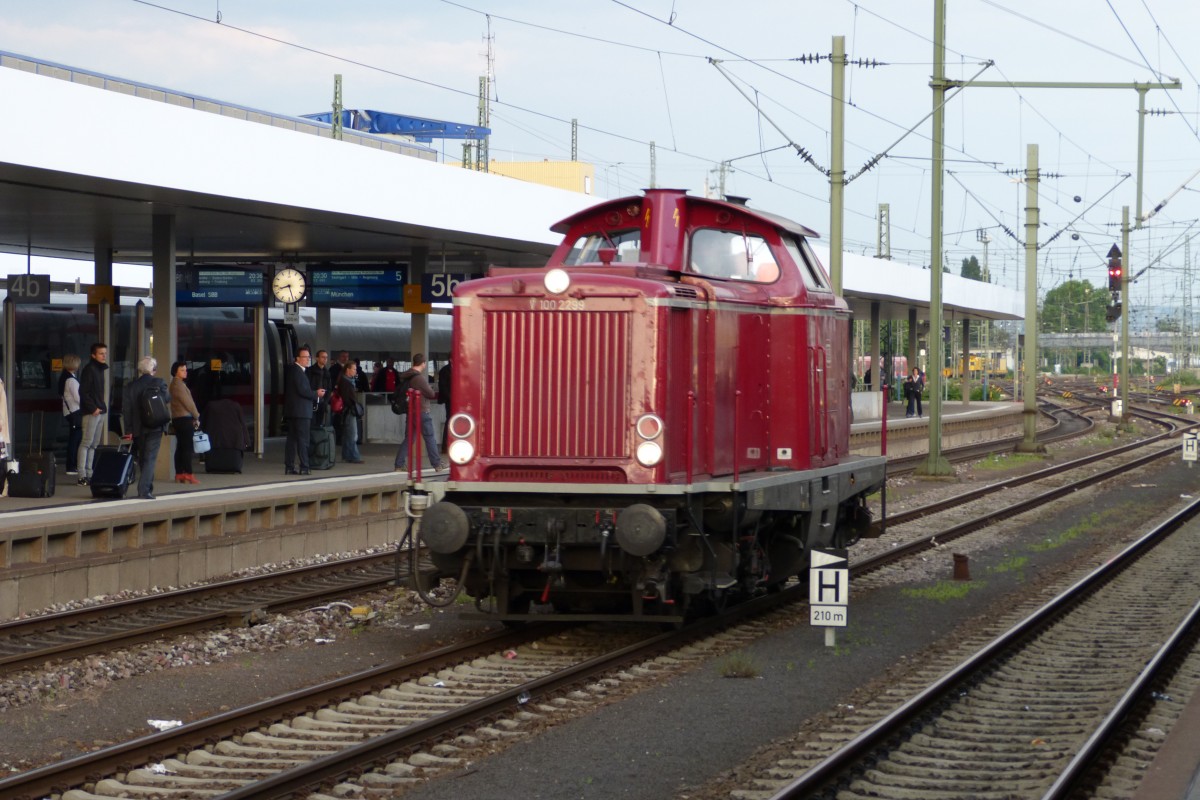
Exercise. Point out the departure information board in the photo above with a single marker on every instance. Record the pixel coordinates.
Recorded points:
(360, 285)
(219, 286)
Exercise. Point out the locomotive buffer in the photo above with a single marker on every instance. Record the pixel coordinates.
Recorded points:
(829, 590)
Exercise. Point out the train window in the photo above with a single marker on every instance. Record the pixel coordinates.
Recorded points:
(33, 374)
(806, 260)
(733, 255)
(586, 250)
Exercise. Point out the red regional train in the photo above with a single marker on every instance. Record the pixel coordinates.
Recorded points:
(653, 424)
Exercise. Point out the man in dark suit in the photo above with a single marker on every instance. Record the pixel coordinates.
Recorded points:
(299, 398)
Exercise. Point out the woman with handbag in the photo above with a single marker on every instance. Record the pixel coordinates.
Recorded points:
(68, 390)
(351, 412)
(185, 420)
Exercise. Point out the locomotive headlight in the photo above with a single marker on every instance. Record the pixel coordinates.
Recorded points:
(461, 451)
(557, 281)
(649, 426)
(461, 426)
(649, 453)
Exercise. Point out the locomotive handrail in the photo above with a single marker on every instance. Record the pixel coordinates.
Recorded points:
(737, 431)
(688, 447)
(414, 439)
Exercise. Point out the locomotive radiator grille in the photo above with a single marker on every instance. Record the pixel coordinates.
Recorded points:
(555, 384)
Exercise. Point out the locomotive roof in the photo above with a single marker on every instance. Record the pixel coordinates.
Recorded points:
(562, 226)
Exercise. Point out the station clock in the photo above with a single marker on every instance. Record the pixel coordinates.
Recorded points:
(288, 285)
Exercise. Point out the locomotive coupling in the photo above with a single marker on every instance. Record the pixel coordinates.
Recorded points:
(641, 529)
(445, 528)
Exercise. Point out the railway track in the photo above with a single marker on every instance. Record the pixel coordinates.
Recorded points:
(394, 725)
(987, 516)
(986, 729)
(32, 641)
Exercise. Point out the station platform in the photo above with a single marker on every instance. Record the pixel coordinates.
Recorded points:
(962, 424)
(72, 546)
(377, 458)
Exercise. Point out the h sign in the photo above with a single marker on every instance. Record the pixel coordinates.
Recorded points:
(829, 587)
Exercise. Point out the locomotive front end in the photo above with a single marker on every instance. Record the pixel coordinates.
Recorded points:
(557, 435)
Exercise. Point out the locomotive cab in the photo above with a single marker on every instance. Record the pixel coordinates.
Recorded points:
(659, 415)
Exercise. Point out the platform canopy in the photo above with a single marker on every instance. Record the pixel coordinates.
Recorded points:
(899, 287)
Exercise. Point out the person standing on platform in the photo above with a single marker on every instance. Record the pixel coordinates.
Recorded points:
(362, 383)
(146, 439)
(443, 392)
(385, 375)
(68, 389)
(337, 367)
(350, 419)
(185, 421)
(5, 434)
(319, 378)
(415, 377)
(299, 399)
(919, 380)
(95, 410)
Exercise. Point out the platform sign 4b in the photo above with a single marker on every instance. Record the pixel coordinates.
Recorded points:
(829, 587)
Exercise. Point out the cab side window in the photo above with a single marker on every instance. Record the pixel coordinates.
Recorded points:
(806, 261)
(732, 255)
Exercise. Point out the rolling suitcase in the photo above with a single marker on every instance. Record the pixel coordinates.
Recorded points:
(320, 448)
(223, 459)
(36, 473)
(112, 472)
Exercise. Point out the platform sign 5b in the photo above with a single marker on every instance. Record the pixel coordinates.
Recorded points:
(829, 587)
(439, 286)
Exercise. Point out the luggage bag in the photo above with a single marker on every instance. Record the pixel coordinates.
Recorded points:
(112, 472)
(35, 478)
(36, 470)
(223, 459)
(320, 448)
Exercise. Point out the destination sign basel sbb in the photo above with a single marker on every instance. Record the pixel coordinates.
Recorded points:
(219, 286)
(365, 285)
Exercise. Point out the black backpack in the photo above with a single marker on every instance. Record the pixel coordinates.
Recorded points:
(400, 396)
(154, 405)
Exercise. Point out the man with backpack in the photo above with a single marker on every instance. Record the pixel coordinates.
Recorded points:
(147, 408)
(414, 378)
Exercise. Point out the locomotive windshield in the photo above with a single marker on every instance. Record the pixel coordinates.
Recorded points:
(732, 255)
(586, 249)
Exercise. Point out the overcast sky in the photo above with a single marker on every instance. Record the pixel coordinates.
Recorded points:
(639, 71)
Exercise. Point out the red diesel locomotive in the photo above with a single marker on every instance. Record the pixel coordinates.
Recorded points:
(652, 424)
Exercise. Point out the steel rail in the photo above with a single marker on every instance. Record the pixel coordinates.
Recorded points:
(186, 609)
(859, 748)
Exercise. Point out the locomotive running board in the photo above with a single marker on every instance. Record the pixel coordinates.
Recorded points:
(748, 482)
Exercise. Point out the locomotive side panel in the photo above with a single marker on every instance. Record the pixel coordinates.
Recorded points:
(790, 426)
(752, 400)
